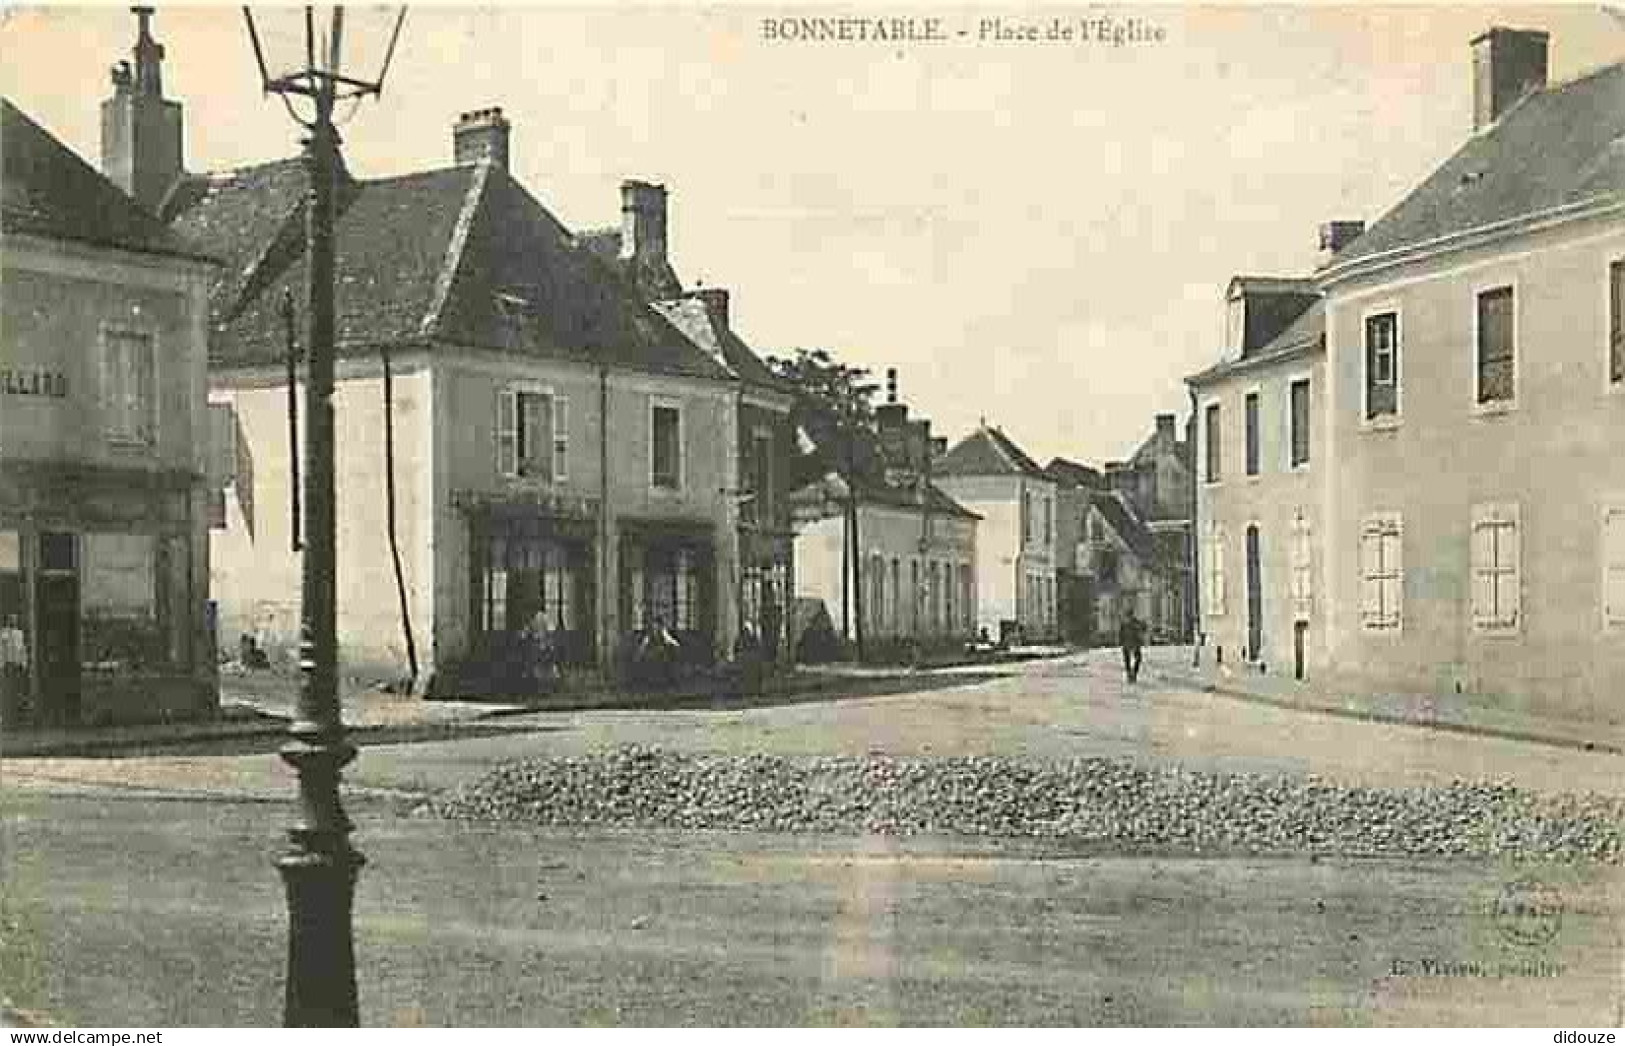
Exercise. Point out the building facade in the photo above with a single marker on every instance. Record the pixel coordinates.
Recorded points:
(104, 559)
(1016, 586)
(1475, 524)
(885, 549)
(1259, 452)
(562, 457)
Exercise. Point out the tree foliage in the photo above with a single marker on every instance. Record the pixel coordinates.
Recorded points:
(833, 406)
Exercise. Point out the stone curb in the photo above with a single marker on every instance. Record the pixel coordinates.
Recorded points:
(1369, 715)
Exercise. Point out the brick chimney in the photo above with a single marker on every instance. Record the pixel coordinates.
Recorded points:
(481, 136)
(1165, 428)
(643, 221)
(141, 129)
(1507, 64)
(715, 300)
(1337, 234)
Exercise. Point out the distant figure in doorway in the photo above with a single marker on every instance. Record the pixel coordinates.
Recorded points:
(1131, 637)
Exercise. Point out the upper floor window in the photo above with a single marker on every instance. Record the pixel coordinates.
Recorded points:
(759, 478)
(1616, 323)
(1251, 420)
(533, 434)
(666, 446)
(1494, 378)
(128, 387)
(1214, 442)
(1382, 571)
(1298, 422)
(1026, 516)
(1495, 567)
(1382, 364)
(1049, 521)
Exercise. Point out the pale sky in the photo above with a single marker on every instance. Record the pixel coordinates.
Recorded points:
(1035, 233)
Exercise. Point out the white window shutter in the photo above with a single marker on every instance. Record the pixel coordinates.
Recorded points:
(1393, 561)
(507, 442)
(561, 438)
(1483, 568)
(1613, 566)
(1370, 568)
(1511, 552)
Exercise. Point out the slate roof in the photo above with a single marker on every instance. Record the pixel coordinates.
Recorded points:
(690, 316)
(459, 256)
(1135, 534)
(47, 190)
(654, 278)
(1305, 334)
(988, 452)
(1563, 145)
(1072, 474)
(873, 490)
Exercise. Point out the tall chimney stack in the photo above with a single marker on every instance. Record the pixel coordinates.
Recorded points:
(715, 300)
(481, 136)
(1507, 64)
(141, 129)
(1335, 235)
(643, 221)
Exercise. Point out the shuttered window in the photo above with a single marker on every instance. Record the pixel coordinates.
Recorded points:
(1381, 572)
(1215, 571)
(128, 387)
(1496, 567)
(532, 434)
(1613, 565)
(1303, 586)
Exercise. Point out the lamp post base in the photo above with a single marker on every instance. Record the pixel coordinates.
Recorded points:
(321, 990)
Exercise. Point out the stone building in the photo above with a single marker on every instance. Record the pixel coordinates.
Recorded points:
(104, 559)
(1015, 547)
(911, 577)
(1260, 454)
(563, 455)
(1474, 517)
(765, 438)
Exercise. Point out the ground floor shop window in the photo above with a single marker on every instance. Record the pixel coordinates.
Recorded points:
(13, 627)
(535, 586)
(132, 590)
(667, 585)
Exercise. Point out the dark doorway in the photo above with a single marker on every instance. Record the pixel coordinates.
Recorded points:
(1300, 632)
(1255, 598)
(57, 607)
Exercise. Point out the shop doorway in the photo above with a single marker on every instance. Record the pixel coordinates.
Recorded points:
(56, 595)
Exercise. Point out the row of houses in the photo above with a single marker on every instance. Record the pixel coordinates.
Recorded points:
(1410, 468)
(978, 539)
(537, 428)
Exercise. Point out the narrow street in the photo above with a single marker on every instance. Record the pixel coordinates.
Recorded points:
(174, 915)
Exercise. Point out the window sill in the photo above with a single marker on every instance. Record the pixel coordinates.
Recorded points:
(131, 443)
(1254, 478)
(1381, 630)
(1496, 631)
(1494, 408)
(1381, 423)
(1301, 467)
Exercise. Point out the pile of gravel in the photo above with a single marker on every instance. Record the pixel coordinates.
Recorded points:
(1096, 801)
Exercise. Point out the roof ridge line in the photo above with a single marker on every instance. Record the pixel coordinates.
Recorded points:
(455, 249)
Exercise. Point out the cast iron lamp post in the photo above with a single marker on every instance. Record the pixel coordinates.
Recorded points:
(305, 48)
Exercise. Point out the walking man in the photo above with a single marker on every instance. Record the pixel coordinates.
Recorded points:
(1131, 637)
